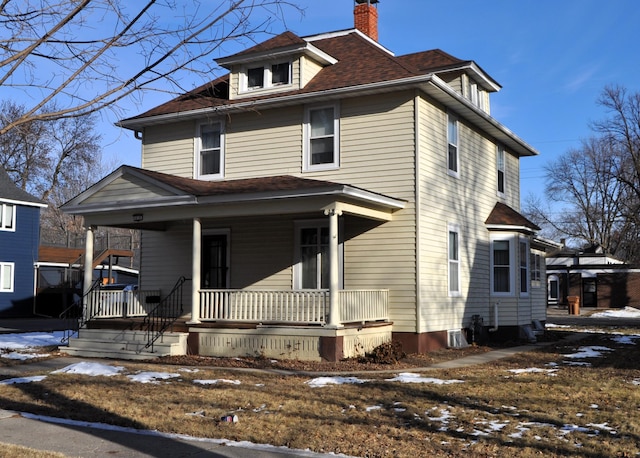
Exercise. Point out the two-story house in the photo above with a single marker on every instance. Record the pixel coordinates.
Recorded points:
(325, 196)
(19, 239)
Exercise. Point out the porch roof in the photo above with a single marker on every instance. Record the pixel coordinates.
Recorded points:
(140, 198)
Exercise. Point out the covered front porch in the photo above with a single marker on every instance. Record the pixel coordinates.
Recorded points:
(230, 303)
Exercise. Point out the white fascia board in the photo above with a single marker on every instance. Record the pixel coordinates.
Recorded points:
(445, 94)
(307, 49)
(341, 33)
(23, 203)
(484, 79)
(508, 228)
(346, 191)
(129, 205)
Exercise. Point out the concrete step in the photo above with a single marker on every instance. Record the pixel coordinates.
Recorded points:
(105, 343)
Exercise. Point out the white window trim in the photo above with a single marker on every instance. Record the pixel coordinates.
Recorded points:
(3, 208)
(512, 263)
(12, 273)
(527, 267)
(198, 149)
(453, 293)
(297, 262)
(266, 67)
(453, 118)
(306, 145)
(501, 152)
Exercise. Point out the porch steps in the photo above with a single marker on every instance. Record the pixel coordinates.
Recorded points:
(124, 344)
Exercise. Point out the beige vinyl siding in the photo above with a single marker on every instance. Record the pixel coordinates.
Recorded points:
(122, 189)
(467, 202)
(539, 292)
(264, 143)
(234, 83)
(169, 148)
(308, 69)
(377, 153)
(261, 252)
(165, 257)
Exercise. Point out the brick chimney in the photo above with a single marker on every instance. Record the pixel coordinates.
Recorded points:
(365, 17)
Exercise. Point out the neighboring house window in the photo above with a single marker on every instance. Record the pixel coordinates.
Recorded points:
(554, 288)
(6, 277)
(321, 138)
(312, 253)
(454, 260)
(210, 154)
(7, 217)
(264, 77)
(501, 267)
(452, 151)
(524, 268)
(500, 166)
(536, 267)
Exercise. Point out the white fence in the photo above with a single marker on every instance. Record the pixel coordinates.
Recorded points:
(120, 304)
(294, 307)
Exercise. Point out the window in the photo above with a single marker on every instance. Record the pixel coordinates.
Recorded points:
(264, 77)
(280, 74)
(500, 166)
(321, 138)
(452, 152)
(7, 217)
(501, 266)
(312, 253)
(454, 260)
(536, 267)
(524, 268)
(255, 78)
(6, 277)
(210, 160)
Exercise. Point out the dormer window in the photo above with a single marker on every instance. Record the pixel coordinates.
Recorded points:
(266, 76)
(255, 78)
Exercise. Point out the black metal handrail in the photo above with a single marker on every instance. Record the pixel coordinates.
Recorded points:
(163, 315)
(76, 314)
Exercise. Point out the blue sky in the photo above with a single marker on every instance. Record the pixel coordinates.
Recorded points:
(552, 58)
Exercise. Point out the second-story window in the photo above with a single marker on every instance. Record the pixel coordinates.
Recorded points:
(255, 78)
(280, 74)
(321, 138)
(7, 217)
(500, 166)
(210, 154)
(452, 140)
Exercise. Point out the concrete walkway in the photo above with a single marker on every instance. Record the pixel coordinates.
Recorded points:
(81, 440)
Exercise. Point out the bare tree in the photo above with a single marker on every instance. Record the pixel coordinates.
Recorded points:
(87, 55)
(597, 186)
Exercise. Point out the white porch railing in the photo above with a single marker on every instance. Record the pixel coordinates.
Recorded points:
(119, 304)
(294, 307)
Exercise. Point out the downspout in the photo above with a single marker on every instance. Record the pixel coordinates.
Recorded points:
(416, 131)
(495, 317)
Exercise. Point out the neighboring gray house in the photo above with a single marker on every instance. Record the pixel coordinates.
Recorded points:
(326, 196)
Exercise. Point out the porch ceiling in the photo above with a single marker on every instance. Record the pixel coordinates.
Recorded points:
(139, 198)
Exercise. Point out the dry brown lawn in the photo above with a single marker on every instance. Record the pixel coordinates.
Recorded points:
(557, 406)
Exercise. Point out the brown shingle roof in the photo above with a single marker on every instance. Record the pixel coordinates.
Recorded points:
(359, 62)
(503, 215)
(240, 186)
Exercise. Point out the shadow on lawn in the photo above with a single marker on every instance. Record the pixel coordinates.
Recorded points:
(47, 402)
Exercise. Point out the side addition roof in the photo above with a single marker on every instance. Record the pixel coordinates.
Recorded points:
(503, 217)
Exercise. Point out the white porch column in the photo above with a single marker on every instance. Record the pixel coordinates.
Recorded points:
(334, 269)
(88, 270)
(196, 249)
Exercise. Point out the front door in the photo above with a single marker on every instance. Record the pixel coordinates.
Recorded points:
(215, 266)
